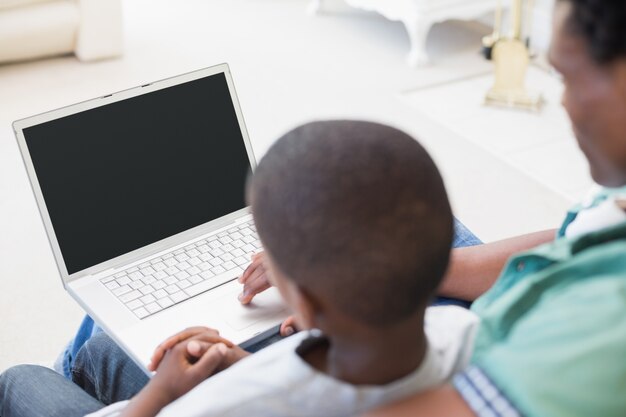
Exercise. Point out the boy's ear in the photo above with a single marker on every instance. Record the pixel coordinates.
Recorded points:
(308, 309)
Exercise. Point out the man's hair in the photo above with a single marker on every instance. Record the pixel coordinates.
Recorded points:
(601, 23)
(355, 213)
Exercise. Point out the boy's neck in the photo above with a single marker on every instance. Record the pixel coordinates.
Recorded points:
(371, 356)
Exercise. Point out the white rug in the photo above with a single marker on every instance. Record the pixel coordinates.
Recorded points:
(541, 145)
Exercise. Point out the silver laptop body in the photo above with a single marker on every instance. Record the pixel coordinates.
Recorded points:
(141, 193)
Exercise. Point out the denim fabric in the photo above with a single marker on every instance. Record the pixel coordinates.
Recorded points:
(30, 390)
(105, 372)
(462, 238)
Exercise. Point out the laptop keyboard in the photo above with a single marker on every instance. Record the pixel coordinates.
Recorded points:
(184, 273)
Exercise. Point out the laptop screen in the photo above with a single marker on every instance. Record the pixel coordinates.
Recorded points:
(122, 176)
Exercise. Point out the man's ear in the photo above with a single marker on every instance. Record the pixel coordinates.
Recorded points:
(308, 309)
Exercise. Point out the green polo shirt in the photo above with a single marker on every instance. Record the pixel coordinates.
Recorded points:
(553, 330)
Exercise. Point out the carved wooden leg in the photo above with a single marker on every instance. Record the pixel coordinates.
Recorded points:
(314, 7)
(418, 33)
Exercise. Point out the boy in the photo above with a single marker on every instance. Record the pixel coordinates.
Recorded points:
(357, 230)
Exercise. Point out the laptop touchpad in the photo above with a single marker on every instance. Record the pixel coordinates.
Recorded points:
(266, 306)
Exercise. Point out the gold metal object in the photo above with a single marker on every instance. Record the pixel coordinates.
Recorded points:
(511, 58)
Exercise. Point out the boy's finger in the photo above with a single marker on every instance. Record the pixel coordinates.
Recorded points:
(253, 267)
(288, 327)
(257, 261)
(254, 287)
(209, 362)
(170, 342)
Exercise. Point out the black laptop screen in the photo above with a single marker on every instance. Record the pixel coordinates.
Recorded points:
(128, 174)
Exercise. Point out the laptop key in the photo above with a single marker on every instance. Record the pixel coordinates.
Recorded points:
(146, 289)
(183, 265)
(228, 248)
(217, 252)
(112, 285)
(135, 276)
(248, 248)
(207, 274)
(203, 249)
(183, 284)
(194, 261)
(179, 296)
(159, 294)
(141, 312)
(206, 257)
(171, 289)
(214, 244)
(170, 262)
(148, 271)
(236, 235)
(182, 257)
(136, 285)
(206, 285)
(193, 270)
(159, 284)
(147, 299)
(130, 296)
(148, 280)
(218, 270)
(229, 265)
(123, 280)
(160, 274)
(238, 243)
(170, 280)
(171, 270)
(165, 302)
(193, 252)
(241, 260)
(107, 279)
(182, 275)
(216, 261)
(227, 257)
(122, 290)
(134, 304)
(205, 265)
(194, 279)
(237, 252)
(159, 266)
(153, 308)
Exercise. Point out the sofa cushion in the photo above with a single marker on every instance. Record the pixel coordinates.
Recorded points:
(8, 4)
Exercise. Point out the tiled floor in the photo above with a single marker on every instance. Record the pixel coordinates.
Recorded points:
(288, 67)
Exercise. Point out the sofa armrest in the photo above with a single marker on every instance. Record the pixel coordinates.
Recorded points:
(100, 32)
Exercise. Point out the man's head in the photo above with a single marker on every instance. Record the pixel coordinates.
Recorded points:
(354, 217)
(589, 50)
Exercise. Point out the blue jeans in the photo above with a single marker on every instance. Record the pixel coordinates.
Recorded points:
(462, 238)
(102, 374)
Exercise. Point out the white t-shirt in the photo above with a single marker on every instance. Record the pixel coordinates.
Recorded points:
(278, 382)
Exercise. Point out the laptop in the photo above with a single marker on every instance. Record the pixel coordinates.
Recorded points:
(141, 193)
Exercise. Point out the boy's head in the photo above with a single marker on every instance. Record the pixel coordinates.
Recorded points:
(353, 215)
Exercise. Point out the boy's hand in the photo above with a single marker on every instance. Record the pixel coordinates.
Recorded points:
(178, 372)
(254, 279)
(206, 335)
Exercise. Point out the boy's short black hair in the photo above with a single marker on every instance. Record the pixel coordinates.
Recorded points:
(601, 23)
(357, 214)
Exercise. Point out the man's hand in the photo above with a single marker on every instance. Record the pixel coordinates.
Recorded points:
(254, 279)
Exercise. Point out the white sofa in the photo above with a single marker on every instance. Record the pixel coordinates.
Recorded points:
(419, 16)
(92, 29)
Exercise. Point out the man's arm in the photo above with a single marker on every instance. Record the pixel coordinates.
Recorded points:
(473, 270)
(441, 402)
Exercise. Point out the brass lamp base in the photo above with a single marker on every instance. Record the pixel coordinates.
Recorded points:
(518, 99)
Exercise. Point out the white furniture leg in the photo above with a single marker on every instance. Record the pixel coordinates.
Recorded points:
(418, 34)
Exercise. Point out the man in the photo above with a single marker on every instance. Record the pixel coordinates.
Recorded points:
(553, 337)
